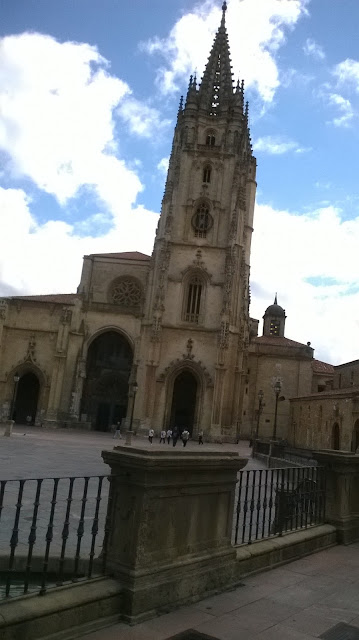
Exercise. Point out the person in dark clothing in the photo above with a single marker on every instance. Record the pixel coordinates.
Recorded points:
(175, 436)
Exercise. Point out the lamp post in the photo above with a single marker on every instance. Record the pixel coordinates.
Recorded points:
(129, 433)
(277, 390)
(14, 394)
(259, 411)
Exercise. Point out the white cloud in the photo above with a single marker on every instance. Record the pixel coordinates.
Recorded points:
(256, 31)
(57, 119)
(143, 120)
(347, 73)
(312, 48)
(162, 166)
(277, 145)
(55, 243)
(345, 109)
(287, 250)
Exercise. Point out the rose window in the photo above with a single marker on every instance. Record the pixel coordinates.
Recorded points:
(126, 292)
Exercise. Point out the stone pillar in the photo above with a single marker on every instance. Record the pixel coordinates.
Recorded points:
(342, 492)
(171, 525)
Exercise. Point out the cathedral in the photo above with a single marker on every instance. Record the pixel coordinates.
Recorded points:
(164, 340)
(163, 337)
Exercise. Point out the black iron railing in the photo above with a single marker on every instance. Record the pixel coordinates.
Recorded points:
(52, 531)
(271, 502)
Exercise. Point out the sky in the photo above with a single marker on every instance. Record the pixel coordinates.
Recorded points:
(89, 93)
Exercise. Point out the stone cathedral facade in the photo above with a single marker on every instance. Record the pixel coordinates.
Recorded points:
(176, 323)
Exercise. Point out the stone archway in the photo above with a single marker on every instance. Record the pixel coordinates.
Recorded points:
(184, 401)
(27, 397)
(336, 436)
(108, 367)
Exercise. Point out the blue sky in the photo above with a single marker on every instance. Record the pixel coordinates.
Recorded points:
(88, 96)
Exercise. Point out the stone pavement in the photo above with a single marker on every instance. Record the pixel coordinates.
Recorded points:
(32, 452)
(299, 601)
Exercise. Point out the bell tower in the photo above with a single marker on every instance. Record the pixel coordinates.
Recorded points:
(195, 332)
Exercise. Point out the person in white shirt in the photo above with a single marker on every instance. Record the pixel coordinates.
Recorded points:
(151, 433)
(163, 437)
(185, 437)
(169, 435)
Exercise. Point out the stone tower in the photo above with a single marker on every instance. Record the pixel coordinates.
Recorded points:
(274, 320)
(192, 354)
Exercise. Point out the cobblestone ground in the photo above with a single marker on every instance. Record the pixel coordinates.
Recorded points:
(32, 453)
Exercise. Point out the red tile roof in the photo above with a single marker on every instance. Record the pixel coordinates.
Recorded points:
(60, 298)
(322, 367)
(126, 255)
(277, 341)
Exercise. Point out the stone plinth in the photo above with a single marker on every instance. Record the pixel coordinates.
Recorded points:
(8, 427)
(342, 492)
(172, 514)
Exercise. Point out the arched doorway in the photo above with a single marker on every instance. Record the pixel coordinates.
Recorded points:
(335, 437)
(108, 367)
(27, 396)
(184, 401)
(356, 436)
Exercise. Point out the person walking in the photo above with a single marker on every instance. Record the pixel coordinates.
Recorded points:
(163, 437)
(151, 433)
(185, 437)
(175, 436)
(169, 435)
(200, 437)
(117, 433)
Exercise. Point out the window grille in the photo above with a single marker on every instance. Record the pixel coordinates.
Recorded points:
(193, 302)
(207, 174)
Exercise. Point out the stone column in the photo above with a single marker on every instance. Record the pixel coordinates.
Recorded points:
(342, 492)
(171, 525)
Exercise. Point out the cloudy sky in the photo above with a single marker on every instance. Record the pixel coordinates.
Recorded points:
(88, 96)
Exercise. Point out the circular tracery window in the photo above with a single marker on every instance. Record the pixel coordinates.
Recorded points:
(202, 220)
(126, 292)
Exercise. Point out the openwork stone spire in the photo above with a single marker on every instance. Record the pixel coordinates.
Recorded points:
(216, 87)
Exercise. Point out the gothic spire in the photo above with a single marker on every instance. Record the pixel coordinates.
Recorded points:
(216, 87)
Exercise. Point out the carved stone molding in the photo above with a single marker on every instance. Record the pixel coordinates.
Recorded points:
(187, 360)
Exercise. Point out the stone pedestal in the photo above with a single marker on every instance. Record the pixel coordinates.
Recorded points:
(8, 427)
(342, 492)
(172, 515)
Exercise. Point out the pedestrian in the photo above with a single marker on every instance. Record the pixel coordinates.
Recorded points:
(175, 436)
(169, 435)
(117, 433)
(163, 437)
(185, 437)
(200, 437)
(151, 433)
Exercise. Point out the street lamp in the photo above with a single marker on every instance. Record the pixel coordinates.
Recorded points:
(14, 393)
(134, 387)
(259, 411)
(277, 390)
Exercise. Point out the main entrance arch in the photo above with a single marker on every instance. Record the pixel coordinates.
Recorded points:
(108, 367)
(184, 399)
(27, 396)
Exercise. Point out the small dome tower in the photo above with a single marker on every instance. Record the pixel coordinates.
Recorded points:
(274, 320)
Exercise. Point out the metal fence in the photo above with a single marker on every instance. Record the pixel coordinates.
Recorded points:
(52, 531)
(270, 502)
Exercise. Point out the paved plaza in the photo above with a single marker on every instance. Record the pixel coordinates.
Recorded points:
(299, 601)
(32, 452)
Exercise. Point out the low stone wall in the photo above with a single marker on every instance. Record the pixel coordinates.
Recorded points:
(267, 554)
(34, 617)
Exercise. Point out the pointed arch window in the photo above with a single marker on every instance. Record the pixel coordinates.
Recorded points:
(210, 138)
(207, 171)
(193, 300)
(202, 221)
